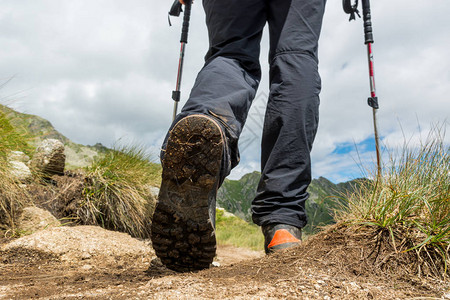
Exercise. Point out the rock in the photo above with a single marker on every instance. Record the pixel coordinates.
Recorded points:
(226, 214)
(20, 171)
(156, 263)
(49, 158)
(87, 267)
(154, 191)
(215, 264)
(34, 219)
(79, 244)
(18, 156)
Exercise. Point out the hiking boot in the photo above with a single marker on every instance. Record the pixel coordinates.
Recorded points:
(183, 225)
(280, 236)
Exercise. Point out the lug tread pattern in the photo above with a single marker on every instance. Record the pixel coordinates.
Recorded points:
(183, 233)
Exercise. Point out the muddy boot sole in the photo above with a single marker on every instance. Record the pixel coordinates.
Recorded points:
(183, 233)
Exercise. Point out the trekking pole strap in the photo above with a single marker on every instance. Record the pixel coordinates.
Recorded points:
(175, 9)
(351, 9)
(186, 19)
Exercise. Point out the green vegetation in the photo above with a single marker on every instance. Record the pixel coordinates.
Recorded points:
(117, 191)
(35, 127)
(11, 139)
(410, 203)
(325, 198)
(236, 195)
(12, 197)
(231, 230)
(116, 185)
(38, 129)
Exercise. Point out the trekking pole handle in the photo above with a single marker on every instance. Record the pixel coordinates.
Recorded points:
(186, 19)
(368, 35)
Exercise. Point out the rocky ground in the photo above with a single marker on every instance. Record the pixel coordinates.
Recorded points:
(88, 262)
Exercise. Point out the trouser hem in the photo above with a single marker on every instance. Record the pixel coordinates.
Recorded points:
(267, 220)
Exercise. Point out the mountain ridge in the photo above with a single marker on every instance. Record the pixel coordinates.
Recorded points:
(37, 129)
(325, 198)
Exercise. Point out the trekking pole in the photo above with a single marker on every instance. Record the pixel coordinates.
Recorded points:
(372, 101)
(175, 11)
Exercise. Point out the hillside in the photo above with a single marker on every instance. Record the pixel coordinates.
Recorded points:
(38, 129)
(348, 260)
(236, 196)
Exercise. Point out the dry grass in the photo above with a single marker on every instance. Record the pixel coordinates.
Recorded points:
(117, 191)
(12, 200)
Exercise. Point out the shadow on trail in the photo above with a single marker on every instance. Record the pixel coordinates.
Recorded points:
(158, 270)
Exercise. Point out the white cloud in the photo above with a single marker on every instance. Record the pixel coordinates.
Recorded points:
(244, 168)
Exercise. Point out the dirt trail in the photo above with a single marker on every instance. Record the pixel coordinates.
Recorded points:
(328, 266)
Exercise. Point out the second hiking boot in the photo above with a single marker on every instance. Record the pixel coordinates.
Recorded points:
(183, 225)
(280, 236)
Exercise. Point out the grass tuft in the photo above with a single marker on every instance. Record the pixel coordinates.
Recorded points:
(410, 203)
(12, 197)
(117, 191)
(11, 139)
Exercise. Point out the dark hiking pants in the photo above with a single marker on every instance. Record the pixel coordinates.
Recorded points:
(227, 84)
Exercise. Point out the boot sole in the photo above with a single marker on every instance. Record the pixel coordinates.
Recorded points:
(183, 233)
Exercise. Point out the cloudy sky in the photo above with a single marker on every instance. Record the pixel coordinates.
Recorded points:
(103, 71)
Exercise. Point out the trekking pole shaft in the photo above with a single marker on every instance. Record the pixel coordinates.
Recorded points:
(377, 142)
(371, 72)
(373, 100)
(368, 40)
(176, 95)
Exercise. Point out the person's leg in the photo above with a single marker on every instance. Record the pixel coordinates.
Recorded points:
(227, 84)
(292, 112)
(201, 146)
(224, 91)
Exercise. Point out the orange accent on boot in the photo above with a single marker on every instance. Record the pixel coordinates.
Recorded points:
(282, 236)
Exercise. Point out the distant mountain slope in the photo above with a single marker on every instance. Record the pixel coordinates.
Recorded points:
(38, 129)
(236, 195)
(325, 198)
